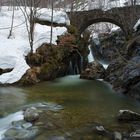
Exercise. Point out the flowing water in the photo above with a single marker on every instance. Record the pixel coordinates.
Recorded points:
(91, 58)
(84, 101)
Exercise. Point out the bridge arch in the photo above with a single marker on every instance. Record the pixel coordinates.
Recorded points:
(100, 20)
(124, 17)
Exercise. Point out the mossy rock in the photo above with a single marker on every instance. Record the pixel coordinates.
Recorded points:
(72, 29)
(34, 59)
(49, 70)
(31, 77)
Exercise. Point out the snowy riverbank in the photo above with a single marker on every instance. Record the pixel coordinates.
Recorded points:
(14, 50)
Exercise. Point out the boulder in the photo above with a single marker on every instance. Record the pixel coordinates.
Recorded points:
(135, 134)
(117, 136)
(128, 116)
(131, 78)
(125, 76)
(31, 114)
(94, 70)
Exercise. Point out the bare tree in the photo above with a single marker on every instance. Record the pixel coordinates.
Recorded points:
(29, 11)
(133, 2)
(12, 22)
(51, 36)
(1, 4)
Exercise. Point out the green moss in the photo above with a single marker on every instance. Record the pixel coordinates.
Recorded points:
(49, 70)
(72, 29)
(34, 59)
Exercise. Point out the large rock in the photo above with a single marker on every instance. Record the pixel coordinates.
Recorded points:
(132, 69)
(114, 71)
(125, 76)
(93, 71)
(117, 136)
(106, 49)
(131, 78)
(100, 130)
(31, 114)
(127, 116)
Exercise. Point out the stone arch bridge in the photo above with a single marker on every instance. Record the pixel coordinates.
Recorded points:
(124, 17)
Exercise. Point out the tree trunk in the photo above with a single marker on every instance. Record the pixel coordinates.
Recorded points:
(51, 36)
(10, 33)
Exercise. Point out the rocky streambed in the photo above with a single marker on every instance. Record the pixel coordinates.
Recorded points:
(85, 109)
(44, 121)
(30, 122)
(123, 71)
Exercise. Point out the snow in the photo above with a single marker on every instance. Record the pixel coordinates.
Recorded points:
(59, 17)
(14, 50)
(128, 111)
(42, 34)
(95, 38)
(136, 25)
(114, 29)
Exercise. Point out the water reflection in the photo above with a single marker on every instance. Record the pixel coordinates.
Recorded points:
(11, 98)
(84, 100)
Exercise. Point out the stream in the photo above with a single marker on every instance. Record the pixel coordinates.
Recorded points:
(84, 101)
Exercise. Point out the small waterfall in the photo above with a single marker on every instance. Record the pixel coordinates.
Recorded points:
(70, 69)
(104, 64)
(5, 123)
(76, 63)
(90, 56)
(81, 64)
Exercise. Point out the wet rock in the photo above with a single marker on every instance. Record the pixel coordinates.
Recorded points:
(21, 134)
(100, 130)
(127, 115)
(131, 70)
(93, 71)
(68, 135)
(117, 136)
(131, 78)
(125, 76)
(114, 71)
(31, 114)
(44, 106)
(30, 78)
(135, 134)
(21, 124)
(136, 125)
(106, 50)
(21, 130)
(27, 125)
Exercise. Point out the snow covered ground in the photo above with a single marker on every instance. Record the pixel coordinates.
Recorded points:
(59, 16)
(14, 50)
